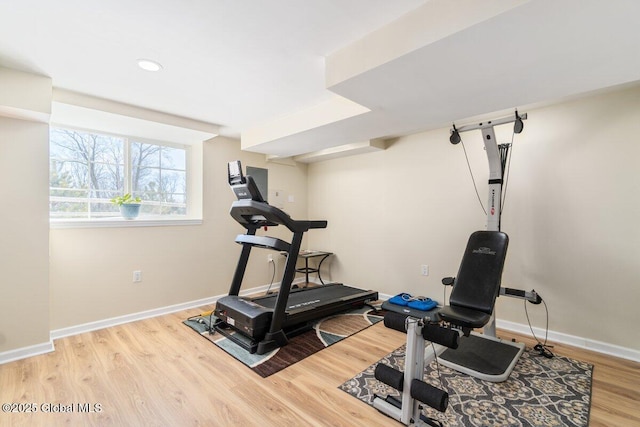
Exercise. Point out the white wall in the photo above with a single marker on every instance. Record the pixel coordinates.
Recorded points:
(25, 105)
(571, 213)
(91, 269)
(24, 264)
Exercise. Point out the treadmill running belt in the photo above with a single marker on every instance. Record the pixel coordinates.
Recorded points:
(308, 297)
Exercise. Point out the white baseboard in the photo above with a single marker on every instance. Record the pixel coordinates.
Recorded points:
(24, 352)
(35, 350)
(384, 297)
(572, 340)
(119, 320)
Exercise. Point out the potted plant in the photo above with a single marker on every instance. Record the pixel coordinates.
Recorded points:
(129, 205)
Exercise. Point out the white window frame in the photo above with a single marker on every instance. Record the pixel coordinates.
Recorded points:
(193, 215)
(129, 168)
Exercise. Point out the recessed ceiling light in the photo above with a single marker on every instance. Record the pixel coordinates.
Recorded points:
(149, 65)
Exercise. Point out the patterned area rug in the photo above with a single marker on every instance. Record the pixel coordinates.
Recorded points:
(539, 392)
(325, 332)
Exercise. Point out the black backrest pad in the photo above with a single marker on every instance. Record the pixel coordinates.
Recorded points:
(477, 284)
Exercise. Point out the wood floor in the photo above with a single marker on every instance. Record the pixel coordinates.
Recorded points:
(157, 372)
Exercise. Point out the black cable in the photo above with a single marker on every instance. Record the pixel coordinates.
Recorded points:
(435, 355)
(375, 309)
(507, 161)
(541, 348)
(475, 186)
(442, 387)
(199, 318)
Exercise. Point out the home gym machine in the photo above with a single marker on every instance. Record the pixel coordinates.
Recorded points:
(476, 354)
(471, 306)
(265, 323)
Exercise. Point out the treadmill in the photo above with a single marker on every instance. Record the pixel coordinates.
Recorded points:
(265, 323)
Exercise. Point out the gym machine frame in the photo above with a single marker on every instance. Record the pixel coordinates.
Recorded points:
(413, 390)
(496, 156)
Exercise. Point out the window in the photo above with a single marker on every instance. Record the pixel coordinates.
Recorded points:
(87, 169)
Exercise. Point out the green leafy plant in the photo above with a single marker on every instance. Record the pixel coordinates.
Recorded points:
(127, 199)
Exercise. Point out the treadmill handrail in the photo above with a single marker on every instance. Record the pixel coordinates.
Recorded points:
(264, 242)
(317, 224)
(253, 214)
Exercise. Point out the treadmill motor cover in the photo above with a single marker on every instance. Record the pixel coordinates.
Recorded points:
(245, 315)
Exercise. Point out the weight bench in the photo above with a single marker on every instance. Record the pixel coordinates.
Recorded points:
(471, 305)
(409, 383)
(456, 346)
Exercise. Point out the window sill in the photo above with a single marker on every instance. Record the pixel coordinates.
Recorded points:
(121, 222)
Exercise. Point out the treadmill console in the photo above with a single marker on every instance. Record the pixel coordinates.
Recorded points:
(243, 187)
(235, 173)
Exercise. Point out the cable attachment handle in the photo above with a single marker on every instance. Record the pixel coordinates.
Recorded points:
(518, 125)
(455, 136)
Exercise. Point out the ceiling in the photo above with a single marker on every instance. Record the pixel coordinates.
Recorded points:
(292, 77)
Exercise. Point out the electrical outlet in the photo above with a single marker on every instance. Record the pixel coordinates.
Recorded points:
(137, 276)
(424, 269)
